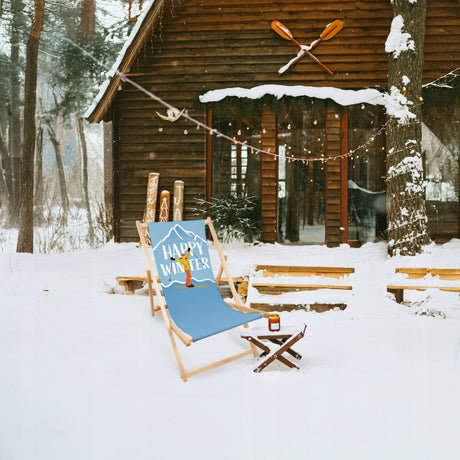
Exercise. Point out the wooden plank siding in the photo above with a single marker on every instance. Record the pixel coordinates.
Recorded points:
(201, 45)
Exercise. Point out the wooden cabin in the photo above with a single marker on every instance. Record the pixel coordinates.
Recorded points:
(184, 51)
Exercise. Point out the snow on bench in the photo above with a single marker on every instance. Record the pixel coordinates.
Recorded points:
(268, 281)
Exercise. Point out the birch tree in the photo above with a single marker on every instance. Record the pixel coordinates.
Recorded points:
(406, 216)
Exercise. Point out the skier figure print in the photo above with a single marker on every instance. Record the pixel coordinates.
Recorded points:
(185, 263)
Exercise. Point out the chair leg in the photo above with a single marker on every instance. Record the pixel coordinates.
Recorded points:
(183, 374)
(254, 349)
(149, 282)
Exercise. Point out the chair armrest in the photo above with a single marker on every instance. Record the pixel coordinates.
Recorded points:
(243, 309)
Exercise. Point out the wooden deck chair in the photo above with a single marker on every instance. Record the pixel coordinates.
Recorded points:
(189, 300)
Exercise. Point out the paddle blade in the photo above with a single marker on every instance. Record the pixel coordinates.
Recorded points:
(331, 29)
(282, 30)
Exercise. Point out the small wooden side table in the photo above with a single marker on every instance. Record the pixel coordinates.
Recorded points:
(284, 341)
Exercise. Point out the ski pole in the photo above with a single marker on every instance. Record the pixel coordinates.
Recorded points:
(199, 258)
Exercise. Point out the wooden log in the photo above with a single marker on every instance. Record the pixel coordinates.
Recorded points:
(164, 206)
(178, 201)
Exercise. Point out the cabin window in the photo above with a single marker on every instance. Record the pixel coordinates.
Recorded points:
(301, 184)
(441, 152)
(366, 175)
(235, 170)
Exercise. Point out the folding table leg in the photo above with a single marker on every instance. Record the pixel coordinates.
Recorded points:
(278, 353)
(292, 352)
(262, 346)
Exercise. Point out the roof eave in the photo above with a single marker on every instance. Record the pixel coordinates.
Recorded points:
(138, 38)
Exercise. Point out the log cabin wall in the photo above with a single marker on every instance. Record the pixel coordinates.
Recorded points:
(201, 45)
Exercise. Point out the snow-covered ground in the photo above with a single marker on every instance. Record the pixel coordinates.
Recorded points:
(90, 375)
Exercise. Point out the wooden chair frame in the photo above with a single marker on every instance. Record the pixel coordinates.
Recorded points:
(155, 289)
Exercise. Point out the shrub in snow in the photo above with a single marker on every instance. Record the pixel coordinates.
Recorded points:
(234, 217)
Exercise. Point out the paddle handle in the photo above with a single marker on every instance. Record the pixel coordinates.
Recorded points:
(299, 56)
(319, 62)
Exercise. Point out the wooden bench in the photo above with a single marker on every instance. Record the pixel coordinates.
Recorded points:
(132, 283)
(450, 274)
(275, 289)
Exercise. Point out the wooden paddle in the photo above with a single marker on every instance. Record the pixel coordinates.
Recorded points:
(330, 30)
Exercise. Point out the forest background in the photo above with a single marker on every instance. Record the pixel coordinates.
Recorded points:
(68, 210)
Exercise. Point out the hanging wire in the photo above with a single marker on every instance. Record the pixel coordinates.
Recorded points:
(252, 149)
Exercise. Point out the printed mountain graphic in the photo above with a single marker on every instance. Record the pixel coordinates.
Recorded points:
(177, 233)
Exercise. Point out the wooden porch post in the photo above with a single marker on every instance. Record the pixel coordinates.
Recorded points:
(333, 175)
(344, 177)
(269, 172)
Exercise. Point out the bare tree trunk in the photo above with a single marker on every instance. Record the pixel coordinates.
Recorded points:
(55, 139)
(88, 10)
(38, 196)
(407, 221)
(14, 131)
(4, 160)
(39, 168)
(26, 220)
(84, 176)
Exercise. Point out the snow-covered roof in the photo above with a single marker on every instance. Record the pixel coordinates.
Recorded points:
(125, 59)
(340, 96)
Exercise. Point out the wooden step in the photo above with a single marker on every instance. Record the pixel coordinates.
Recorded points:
(277, 289)
(317, 307)
(288, 270)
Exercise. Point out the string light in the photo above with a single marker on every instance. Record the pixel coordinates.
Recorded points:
(255, 150)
